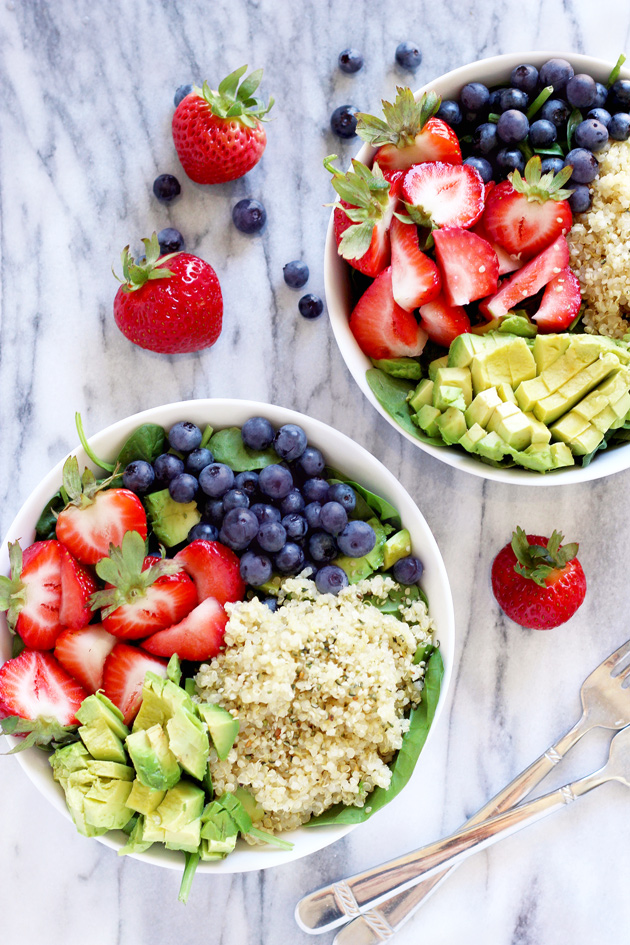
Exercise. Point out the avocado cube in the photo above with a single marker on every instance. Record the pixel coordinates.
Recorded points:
(188, 740)
(568, 394)
(397, 546)
(357, 569)
(482, 406)
(161, 699)
(65, 761)
(454, 377)
(537, 456)
(136, 843)
(110, 769)
(492, 447)
(574, 360)
(181, 805)
(540, 432)
(171, 521)
(76, 786)
(562, 455)
(548, 348)
(515, 429)
(99, 708)
(105, 804)
(144, 799)
(434, 366)
(518, 325)
(422, 395)
(156, 765)
(452, 425)
(568, 427)
(222, 726)
(472, 437)
(448, 396)
(605, 419)
(509, 363)
(466, 346)
(101, 742)
(400, 367)
(528, 393)
(427, 416)
(587, 441)
(506, 393)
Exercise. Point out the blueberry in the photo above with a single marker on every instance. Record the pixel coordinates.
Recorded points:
(482, 166)
(311, 462)
(580, 199)
(249, 216)
(310, 306)
(214, 511)
(555, 110)
(290, 442)
(184, 436)
(166, 188)
(408, 570)
(542, 133)
(271, 603)
(216, 479)
(333, 517)
(331, 579)
(181, 92)
(357, 539)
(235, 499)
(343, 121)
(581, 91)
(257, 433)
(484, 137)
(524, 77)
(408, 56)
(255, 569)
(322, 547)
(203, 531)
(601, 115)
(239, 527)
(344, 494)
(183, 488)
(295, 526)
(510, 159)
(556, 72)
(512, 126)
(584, 165)
(265, 512)
(315, 490)
(450, 112)
(620, 93)
(290, 559)
(513, 98)
(350, 61)
(495, 98)
(474, 96)
(197, 459)
(247, 481)
(275, 481)
(601, 95)
(551, 164)
(591, 134)
(171, 241)
(619, 127)
(271, 536)
(292, 502)
(295, 274)
(166, 467)
(313, 515)
(138, 476)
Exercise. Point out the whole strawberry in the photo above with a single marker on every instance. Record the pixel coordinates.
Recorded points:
(171, 304)
(218, 135)
(538, 582)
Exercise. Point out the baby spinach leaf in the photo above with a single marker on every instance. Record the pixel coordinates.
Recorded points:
(205, 438)
(391, 393)
(147, 442)
(384, 509)
(227, 447)
(404, 762)
(574, 120)
(397, 596)
(45, 529)
(361, 510)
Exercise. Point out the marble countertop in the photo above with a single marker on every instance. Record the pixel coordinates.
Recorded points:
(84, 129)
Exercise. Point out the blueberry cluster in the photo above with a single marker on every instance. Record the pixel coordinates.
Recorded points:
(553, 112)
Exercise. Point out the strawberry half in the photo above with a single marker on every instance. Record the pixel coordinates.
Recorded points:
(32, 595)
(141, 594)
(123, 677)
(77, 586)
(214, 569)
(507, 262)
(363, 215)
(34, 685)
(381, 327)
(83, 653)
(442, 321)
(528, 280)
(469, 265)
(560, 302)
(409, 134)
(199, 636)
(524, 216)
(415, 277)
(439, 194)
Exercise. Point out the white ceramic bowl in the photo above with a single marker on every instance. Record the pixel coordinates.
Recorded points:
(493, 71)
(340, 452)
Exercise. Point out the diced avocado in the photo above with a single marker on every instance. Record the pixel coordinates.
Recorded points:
(518, 325)
(219, 834)
(427, 416)
(587, 441)
(222, 726)
(569, 426)
(250, 804)
(135, 842)
(76, 786)
(188, 740)
(422, 395)
(397, 546)
(448, 396)
(604, 419)
(237, 811)
(65, 761)
(464, 347)
(454, 377)
(400, 367)
(572, 362)
(537, 457)
(471, 438)
(155, 764)
(152, 832)
(97, 707)
(357, 569)
(609, 391)
(512, 426)
(568, 394)
(161, 699)
(530, 392)
(482, 407)
(102, 742)
(506, 393)
(110, 769)
(105, 804)
(509, 363)
(434, 366)
(452, 425)
(561, 454)
(548, 348)
(144, 799)
(540, 432)
(171, 521)
(375, 556)
(492, 447)
(179, 815)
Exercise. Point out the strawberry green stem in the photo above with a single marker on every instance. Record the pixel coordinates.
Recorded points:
(192, 862)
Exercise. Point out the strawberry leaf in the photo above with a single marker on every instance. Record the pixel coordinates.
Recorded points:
(124, 570)
(404, 119)
(229, 85)
(356, 240)
(537, 563)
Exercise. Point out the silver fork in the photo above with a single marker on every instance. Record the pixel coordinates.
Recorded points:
(605, 704)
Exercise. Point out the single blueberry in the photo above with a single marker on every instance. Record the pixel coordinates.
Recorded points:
(257, 433)
(601, 115)
(271, 603)
(344, 494)
(601, 95)
(408, 56)
(556, 72)
(239, 528)
(203, 531)
(295, 526)
(553, 164)
(247, 481)
(474, 96)
(542, 133)
(255, 569)
(350, 61)
(333, 517)
(197, 459)
(408, 570)
(357, 539)
(138, 476)
(292, 502)
(580, 199)
(216, 479)
(315, 490)
(591, 134)
(166, 187)
(290, 559)
(620, 93)
(584, 164)
(166, 467)
(275, 481)
(214, 511)
(481, 165)
(290, 442)
(311, 462)
(266, 513)
(512, 126)
(295, 274)
(183, 488)
(450, 112)
(524, 77)
(509, 159)
(171, 241)
(184, 436)
(331, 579)
(249, 216)
(271, 536)
(310, 306)
(343, 121)
(235, 499)
(484, 137)
(619, 127)
(513, 98)
(322, 547)
(555, 110)
(181, 92)
(313, 515)
(581, 91)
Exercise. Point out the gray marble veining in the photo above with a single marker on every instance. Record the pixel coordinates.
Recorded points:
(86, 94)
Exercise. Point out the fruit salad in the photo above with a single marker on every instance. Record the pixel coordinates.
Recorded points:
(465, 297)
(127, 604)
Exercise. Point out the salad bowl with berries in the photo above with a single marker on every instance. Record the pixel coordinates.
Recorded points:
(471, 267)
(165, 568)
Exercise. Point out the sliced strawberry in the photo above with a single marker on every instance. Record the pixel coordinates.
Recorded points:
(443, 322)
(524, 216)
(415, 277)
(83, 653)
(77, 585)
(507, 263)
(436, 142)
(199, 636)
(32, 595)
(528, 280)
(381, 327)
(214, 569)
(560, 302)
(123, 676)
(34, 685)
(439, 194)
(469, 265)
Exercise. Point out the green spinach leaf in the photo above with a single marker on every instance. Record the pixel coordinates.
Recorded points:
(376, 503)
(391, 393)
(147, 442)
(46, 526)
(227, 447)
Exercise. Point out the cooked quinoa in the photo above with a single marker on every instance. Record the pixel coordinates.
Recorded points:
(599, 244)
(320, 687)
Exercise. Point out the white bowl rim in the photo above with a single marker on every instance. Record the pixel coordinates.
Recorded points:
(607, 462)
(244, 859)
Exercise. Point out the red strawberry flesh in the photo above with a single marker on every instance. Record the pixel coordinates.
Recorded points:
(88, 532)
(382, 328)
(469, 265)
(415, 277)
(123, 676)
(163, 603)
(560, 302)
(34, 684)
(445, 194)
(436, 142)
(521, 226)
(215, 570)
(528, 280)
(199, 636)
(443, 322)
(77, 584)
(38, 623)
(83, 653)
